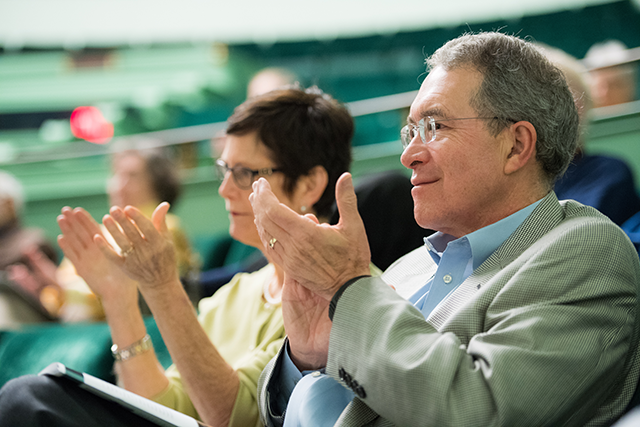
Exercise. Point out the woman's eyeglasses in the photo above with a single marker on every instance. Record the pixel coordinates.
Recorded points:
(242, 176)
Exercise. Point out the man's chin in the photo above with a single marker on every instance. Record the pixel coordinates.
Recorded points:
(426, 220)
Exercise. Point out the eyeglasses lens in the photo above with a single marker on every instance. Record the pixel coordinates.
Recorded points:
(243, 177)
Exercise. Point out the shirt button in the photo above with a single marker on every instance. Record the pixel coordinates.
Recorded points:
(447, 278)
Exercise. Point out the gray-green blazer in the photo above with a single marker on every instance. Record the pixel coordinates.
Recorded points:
(544, 332)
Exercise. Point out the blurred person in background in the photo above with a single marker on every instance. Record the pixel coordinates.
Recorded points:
(25, 289)
(613, 77)
(299, 140)
(604, 182)
(16, 240)
(268, 79)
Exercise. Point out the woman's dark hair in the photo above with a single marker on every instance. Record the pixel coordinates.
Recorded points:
(163, 174)
(302, 129)
(164, 177)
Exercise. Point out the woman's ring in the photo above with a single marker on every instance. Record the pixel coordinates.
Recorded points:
(127, 252)
(272, 242)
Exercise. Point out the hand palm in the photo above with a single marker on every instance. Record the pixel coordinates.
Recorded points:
(77, 242)
(307, 323)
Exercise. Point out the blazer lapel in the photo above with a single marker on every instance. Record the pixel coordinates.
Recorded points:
(544, 217)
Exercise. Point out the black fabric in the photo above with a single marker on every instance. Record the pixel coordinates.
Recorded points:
(386, 207)
(33, 401)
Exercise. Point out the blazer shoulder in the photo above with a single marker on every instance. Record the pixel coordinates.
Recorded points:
(582, 217)
(590, 239)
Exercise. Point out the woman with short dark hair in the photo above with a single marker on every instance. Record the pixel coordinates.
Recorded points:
(299, 140)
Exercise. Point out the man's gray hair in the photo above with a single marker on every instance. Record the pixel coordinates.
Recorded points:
(519, 84)
(11, 189)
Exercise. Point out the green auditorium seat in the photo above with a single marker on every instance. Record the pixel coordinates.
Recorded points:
(83, 347)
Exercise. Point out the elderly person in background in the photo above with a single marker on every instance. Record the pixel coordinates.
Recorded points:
(142, 178)
(16, 240)
(520, 309)
(604, 182)
(297, 140)
(26, 290)
(268, 79)
(613, 76)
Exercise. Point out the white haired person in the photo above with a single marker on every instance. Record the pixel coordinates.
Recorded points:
(20, 250)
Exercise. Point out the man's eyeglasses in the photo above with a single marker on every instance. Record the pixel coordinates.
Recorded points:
(242, 176)
(427, 127)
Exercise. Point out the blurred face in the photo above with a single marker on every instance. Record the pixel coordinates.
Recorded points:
(458, 178)
(610, 86)
(131, 183)
(266, 82)
(7, 211)
(247, 151)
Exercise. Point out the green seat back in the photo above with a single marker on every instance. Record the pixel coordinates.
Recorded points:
(85, 348)
(82, 347)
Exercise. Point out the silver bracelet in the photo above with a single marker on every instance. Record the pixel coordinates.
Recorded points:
(133, 350)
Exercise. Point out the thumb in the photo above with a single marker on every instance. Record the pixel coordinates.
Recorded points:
(159, 217)
(312, 217)
(347, 201)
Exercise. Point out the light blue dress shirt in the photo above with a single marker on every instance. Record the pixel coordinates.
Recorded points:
(317, 399)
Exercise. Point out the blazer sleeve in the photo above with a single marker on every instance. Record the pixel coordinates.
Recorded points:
(553, 329)
(268, 391)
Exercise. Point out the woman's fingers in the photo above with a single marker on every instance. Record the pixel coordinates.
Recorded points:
(116, 232)
(159, 217)
(88, 224)
(70, 243)
(76, 228)
(145, 225)
(273, 219)
(129, 229)
(107, 250)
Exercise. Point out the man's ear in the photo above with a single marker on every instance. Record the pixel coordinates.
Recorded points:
(311, 186)
(521, 146)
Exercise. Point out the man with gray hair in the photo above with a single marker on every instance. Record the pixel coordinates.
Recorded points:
(520, 310)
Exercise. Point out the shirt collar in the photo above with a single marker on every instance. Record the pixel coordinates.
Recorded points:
(483, 242)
